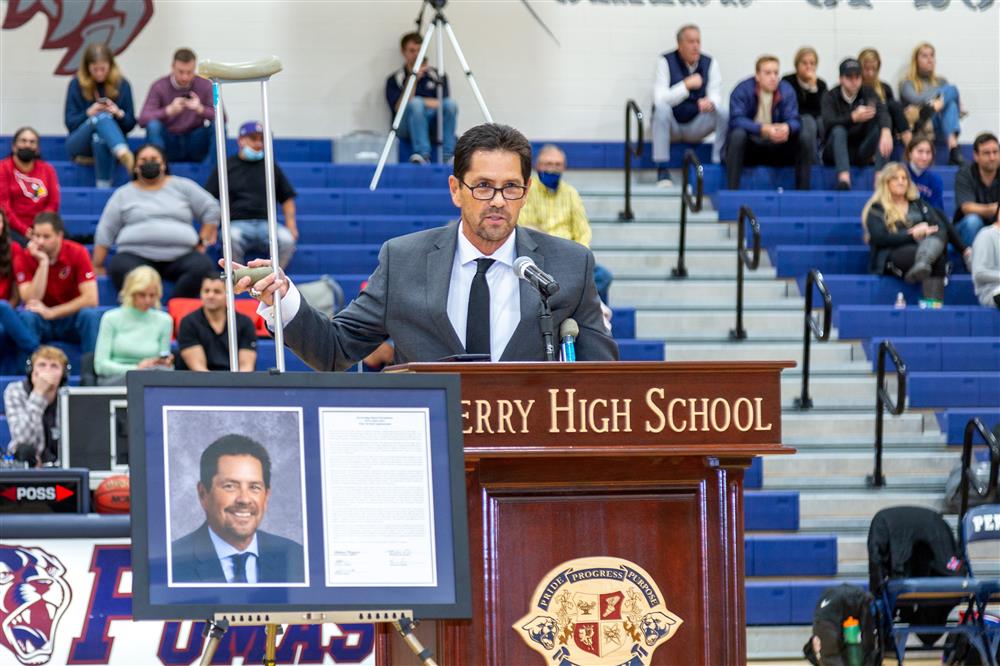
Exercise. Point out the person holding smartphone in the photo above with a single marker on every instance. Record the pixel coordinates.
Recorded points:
(135, 336)
(99, 113)
(178, 113)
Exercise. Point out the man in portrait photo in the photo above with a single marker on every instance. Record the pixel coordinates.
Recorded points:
(234, 489)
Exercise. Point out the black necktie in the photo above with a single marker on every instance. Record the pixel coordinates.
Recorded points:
(240, 567)
(477, 324)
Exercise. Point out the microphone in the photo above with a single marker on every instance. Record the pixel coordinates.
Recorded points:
(568, 331)
(526, 269)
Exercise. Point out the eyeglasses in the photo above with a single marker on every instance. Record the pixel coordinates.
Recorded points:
(485, 192)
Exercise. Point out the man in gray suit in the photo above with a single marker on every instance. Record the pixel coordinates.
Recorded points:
(452, 290)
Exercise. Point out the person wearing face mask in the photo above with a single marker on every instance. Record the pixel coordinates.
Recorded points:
(99, 114)
(557, 209)
(28, 184)
(248, 199)
(150, 221)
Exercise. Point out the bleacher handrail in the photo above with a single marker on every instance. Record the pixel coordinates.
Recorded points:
(882, 400)
(688, 203)
(750, 260)
(968, 477)
(631, 110)
(811, 328)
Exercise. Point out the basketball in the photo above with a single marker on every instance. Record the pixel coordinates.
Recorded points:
(112, 496)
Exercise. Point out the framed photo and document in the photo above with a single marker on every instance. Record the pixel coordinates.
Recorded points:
(297, 492)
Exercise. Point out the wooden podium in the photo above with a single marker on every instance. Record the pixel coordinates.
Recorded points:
(640, 461)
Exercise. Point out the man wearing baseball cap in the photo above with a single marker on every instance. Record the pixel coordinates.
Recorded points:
(858, 127)
(248, 199)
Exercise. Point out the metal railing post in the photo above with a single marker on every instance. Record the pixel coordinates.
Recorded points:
(631, 109)
(751, 260)
(883, 399)
(812, 328)
(688, 203)
(968, 476)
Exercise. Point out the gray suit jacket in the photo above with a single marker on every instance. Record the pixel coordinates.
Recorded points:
(407, 299)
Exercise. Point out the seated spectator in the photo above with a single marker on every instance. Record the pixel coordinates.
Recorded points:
(422, 106)
(857, 125)
(919, 158)
(809, 88)
(178, 114)
(16, 340)
(30, 408)
(28, 184)
(930, 97)
(687, 100)
(764, 127)
(150, 220)
(99, 114)
(986, 264)
(248, 199)
(135, 336)
(907, 237)
(203, 338)
(56, 282)
(555, 207)
(871, 65)
(977, 187)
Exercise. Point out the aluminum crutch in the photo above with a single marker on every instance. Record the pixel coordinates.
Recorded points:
(243, 72)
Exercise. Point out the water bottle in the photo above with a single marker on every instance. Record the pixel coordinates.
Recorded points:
(852, 642)
(900, 301)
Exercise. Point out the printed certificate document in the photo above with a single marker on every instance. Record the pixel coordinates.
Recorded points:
(377, 495)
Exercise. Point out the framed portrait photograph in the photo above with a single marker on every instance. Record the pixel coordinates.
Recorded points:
(307, 492)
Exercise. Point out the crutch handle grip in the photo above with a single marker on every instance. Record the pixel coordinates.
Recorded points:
(240, 71)
(255, 274)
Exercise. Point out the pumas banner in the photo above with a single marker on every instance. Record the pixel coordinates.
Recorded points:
(69, 601)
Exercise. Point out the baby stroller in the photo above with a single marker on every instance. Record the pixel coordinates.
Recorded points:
(918, 576)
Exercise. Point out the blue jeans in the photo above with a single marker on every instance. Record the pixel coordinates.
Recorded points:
(602, 278)
(80, 327)
(946, 121)
(99, 137)
(250, 236)
(198, 145)
(416, 122)
(17, 341)
(968, 227)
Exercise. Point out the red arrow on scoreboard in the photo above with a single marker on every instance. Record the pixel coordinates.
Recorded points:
(63, 493)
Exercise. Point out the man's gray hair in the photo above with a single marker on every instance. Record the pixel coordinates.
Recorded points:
(685, 28)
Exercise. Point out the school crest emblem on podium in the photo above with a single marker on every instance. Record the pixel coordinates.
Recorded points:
(597, 611)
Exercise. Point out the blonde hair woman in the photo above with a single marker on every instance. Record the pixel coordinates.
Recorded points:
(99, 113)
(907, 237)
(930, 97)
(135, 336)
(871, 65)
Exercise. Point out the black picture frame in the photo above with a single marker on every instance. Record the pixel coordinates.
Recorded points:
(451, 598)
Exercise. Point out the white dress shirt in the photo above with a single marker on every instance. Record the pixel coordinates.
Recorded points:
(225, 553)
(665, 95)
(505, 292)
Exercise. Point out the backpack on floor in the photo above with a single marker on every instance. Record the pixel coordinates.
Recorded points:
(826, 646)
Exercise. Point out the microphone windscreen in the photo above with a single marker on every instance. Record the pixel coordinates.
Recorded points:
(569, 327)
(521, 264)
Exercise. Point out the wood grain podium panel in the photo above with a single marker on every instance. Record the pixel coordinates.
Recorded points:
(669, 500)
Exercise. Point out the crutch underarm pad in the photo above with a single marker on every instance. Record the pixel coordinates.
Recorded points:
(240, 71)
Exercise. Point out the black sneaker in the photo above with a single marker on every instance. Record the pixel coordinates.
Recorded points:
(955, 157)
(843, 186)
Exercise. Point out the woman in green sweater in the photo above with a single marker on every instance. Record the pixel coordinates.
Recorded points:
(135, 336)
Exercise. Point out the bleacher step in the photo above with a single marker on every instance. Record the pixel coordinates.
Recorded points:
(838, 467)
(861, 503)
(932, 440)
(699, 263)
(608, 206)
(822, 355)
(778, 642)
(659, 293)
(715, 325)
(848, 423)
(647, 235)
